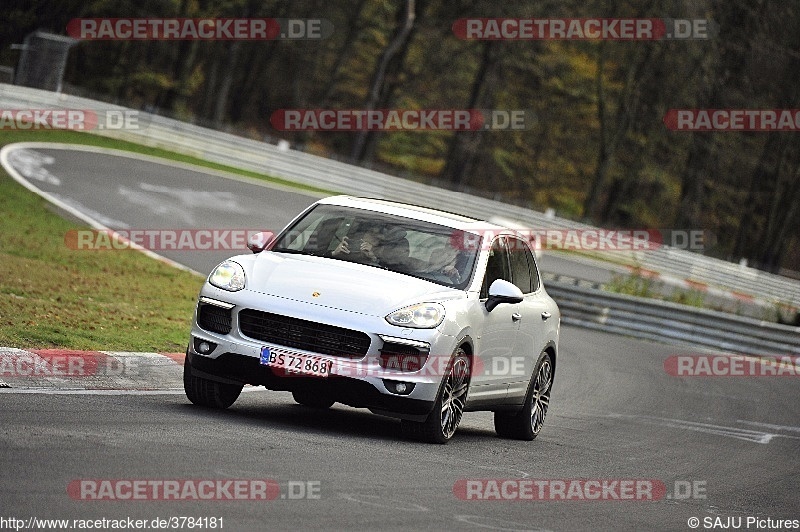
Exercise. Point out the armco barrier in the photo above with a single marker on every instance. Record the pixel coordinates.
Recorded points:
(671, 322)
(304, 168)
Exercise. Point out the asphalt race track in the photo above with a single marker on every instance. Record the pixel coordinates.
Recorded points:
(722, 448)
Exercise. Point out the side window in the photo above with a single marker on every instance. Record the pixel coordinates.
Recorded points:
(520, 267)
(497, 267)
(534, 272)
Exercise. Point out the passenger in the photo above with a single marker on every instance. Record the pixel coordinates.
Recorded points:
(444, 260)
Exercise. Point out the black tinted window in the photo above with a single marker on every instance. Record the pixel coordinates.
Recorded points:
(520, 266)
(497, 266)
(534, 273)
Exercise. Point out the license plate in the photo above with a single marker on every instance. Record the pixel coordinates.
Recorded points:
(295, 363)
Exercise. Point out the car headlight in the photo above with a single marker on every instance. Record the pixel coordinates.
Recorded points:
(422, 316)
(229, 276)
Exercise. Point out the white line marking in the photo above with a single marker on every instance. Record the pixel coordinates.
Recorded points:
(382, 502)
(493, 523)
(708, 428)
(769, 425)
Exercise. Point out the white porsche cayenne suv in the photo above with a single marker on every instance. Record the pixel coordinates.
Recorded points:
(409, 312)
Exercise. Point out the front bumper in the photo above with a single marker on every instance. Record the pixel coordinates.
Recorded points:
(235, 368)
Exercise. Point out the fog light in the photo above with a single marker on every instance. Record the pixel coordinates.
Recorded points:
(204, 347)
(399, 388)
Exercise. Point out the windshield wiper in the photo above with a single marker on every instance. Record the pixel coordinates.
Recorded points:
(294, 251)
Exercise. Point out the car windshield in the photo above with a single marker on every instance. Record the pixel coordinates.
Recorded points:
(421, 249)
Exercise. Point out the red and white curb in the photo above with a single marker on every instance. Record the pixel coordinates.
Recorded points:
(65, 370)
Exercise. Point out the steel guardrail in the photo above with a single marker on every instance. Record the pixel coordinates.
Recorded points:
(671, 322)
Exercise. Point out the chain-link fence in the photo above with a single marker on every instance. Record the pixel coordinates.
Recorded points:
(43, 60)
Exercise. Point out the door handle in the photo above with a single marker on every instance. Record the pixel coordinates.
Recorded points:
(546, 315)
(516, 316)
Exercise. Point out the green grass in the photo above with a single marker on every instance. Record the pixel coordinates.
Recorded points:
(693, 298)
(632, 285)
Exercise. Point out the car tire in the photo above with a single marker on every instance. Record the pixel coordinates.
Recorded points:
(312, 400)
(528, 421)
(205, 392)
(448, 408)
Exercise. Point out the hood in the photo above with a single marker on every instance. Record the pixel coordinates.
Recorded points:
(341, 285)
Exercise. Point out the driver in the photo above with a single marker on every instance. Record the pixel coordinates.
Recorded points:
(378, 245)
(369, 242)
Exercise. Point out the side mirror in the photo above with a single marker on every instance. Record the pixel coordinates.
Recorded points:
(258, 242)
(502, 292)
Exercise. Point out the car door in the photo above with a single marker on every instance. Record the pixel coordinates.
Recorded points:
(497, 338)
(532, 317)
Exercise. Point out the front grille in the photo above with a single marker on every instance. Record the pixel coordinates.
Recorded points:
(303, 334)
(213, 318)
